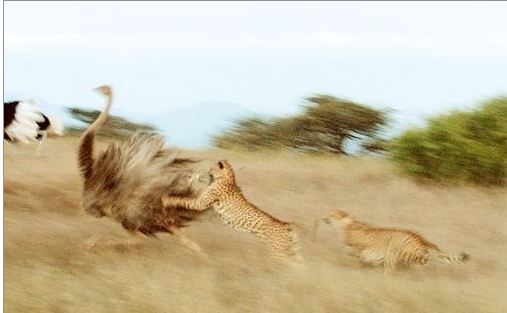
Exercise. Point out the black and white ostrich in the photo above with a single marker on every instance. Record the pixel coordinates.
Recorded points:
(24, 121)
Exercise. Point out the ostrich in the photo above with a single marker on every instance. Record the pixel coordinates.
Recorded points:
(25, 122)
(127, 181)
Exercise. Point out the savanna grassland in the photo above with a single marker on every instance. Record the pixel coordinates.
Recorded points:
(47, 267)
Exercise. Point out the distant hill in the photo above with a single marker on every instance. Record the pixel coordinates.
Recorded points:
(190, 127)
(193, 127)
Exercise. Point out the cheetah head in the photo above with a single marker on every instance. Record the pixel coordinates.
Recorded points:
(220, 169)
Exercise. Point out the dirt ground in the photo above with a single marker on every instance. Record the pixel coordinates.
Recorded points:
(48, 269)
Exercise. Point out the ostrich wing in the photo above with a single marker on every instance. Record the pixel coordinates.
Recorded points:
(24, 126)
(129, 179)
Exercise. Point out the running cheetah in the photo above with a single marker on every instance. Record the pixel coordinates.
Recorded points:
(226, 198)
(391, 247)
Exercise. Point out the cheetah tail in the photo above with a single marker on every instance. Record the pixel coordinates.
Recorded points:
(454, 258)
(451, 258)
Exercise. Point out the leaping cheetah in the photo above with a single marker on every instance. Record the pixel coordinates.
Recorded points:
(226, 198)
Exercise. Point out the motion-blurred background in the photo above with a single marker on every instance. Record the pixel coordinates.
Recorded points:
(332, 77)
(394, 112)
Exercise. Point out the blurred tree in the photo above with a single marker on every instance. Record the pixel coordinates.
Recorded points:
(115, 126)
(324, 125)
(328, 121)
(376, 145)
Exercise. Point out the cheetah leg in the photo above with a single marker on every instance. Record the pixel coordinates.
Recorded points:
(187, 242)
(298, 257)
(186, 202)
(373, 256)
(389, 266)
(289, 258)
(283, 252)
(295, 252)
(281, 255)
(353, 253)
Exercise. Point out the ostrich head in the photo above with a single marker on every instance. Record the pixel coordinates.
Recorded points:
(105, 90)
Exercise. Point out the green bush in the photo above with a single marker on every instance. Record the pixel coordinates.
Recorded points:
(459, 147)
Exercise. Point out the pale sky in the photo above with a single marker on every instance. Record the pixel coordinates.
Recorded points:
(419, 58)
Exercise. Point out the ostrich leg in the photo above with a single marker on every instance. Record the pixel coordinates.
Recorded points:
(187, 242)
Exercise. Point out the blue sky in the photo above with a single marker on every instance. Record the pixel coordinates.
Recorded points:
(177, 59)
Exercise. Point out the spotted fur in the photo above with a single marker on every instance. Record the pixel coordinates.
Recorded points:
(389, 247)
(226, 199)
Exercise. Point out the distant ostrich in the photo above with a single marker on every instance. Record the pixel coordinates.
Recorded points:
(25, 122)
(127, 181)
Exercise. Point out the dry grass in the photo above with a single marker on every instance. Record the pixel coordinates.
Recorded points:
(48, 270)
